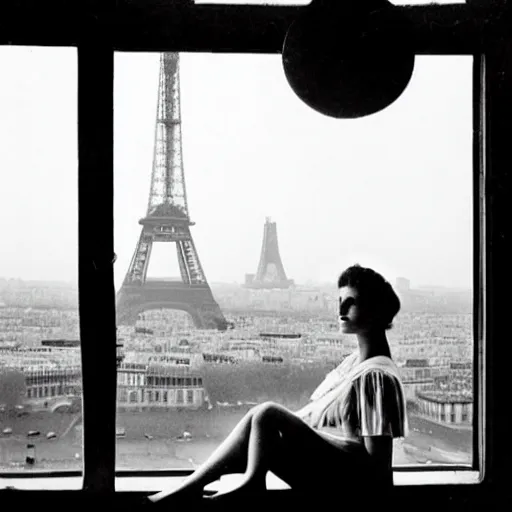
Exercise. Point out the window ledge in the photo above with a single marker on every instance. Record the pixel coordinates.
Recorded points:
(157, 483)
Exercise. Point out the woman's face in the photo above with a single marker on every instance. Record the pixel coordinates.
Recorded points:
(352, 316)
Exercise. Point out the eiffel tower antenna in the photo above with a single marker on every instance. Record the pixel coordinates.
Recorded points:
(168, 177)
(167, 220)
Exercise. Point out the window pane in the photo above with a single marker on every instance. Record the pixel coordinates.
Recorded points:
(40, 374)
(392, 191)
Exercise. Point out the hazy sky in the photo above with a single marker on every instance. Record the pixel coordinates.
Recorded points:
(392, 190)
(38, 163)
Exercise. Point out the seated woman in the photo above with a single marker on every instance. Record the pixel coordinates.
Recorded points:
(344, 435)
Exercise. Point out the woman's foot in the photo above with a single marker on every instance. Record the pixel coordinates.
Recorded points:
(242, 491)
(185, 495)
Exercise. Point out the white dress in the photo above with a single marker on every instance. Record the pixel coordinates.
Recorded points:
(372, 404)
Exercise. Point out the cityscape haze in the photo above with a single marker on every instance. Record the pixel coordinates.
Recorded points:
(231, 175)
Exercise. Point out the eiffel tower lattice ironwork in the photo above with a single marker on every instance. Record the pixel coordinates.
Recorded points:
(167, 220)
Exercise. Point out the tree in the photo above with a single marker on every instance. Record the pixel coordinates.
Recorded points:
(12, 388)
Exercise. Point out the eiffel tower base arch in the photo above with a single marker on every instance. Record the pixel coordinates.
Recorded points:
(196, 300)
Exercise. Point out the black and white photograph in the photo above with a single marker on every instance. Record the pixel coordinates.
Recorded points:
(299, 270)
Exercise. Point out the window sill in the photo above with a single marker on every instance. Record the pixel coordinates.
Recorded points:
(156, 483)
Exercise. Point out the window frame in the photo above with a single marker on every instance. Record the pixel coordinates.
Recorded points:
(97, 29)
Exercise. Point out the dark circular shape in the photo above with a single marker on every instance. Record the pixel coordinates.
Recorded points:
(348, 63)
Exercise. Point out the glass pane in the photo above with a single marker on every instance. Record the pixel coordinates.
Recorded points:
(270, 182)
(40, 373)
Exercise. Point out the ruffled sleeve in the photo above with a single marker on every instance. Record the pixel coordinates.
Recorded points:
(378, 405)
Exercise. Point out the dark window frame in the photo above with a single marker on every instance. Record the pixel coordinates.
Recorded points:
(98, 28)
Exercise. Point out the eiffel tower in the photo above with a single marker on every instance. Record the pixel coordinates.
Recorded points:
(167, 220)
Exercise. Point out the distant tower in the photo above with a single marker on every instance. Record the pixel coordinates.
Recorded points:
(270, 272)
(167, 220)
(402, 284)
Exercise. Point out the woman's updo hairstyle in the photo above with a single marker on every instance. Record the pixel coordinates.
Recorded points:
(374, 292)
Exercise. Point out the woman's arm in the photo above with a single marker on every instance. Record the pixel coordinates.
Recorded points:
(380, 449)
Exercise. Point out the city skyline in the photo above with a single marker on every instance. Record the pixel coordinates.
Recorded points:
(299, 285)
(241, 124)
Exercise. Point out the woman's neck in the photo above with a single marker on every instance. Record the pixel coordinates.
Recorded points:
(372, 344)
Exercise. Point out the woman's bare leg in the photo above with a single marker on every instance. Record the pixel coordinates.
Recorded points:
(268, 438)
(229, 457)
(282, 443)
